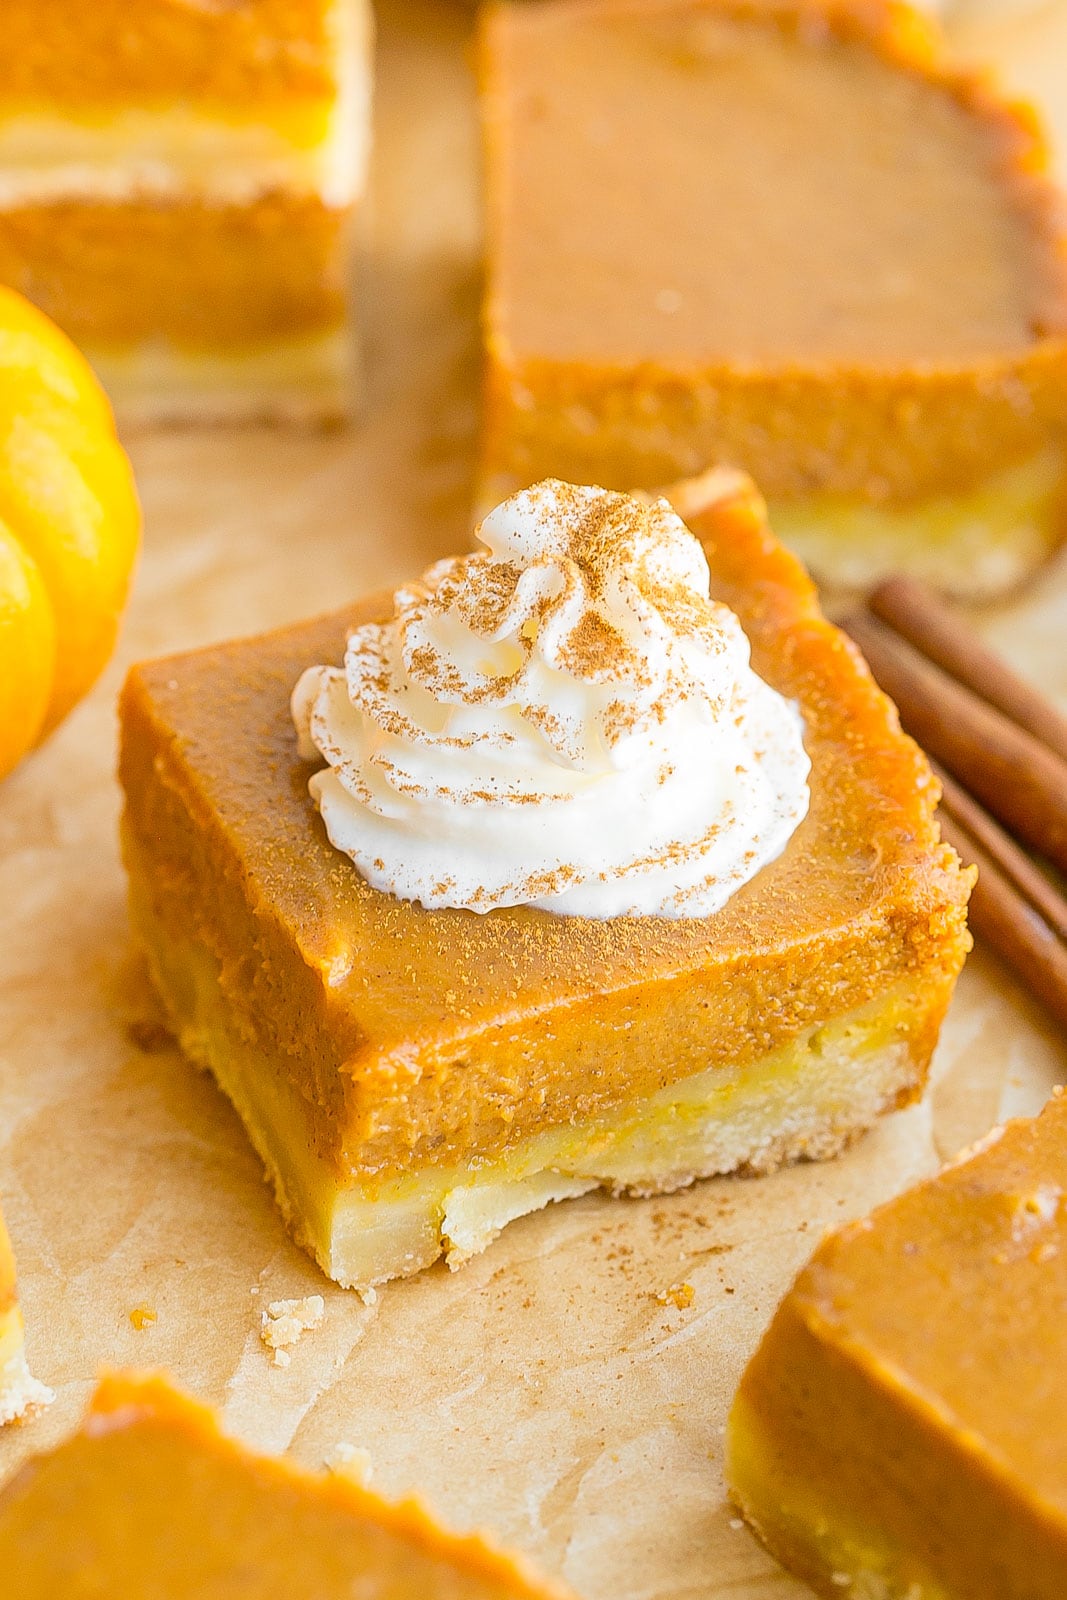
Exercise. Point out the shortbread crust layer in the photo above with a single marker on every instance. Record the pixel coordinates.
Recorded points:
(304, 381)
(175, 154)
(976, 544)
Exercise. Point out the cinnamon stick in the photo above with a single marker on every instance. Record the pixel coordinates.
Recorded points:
(1023, 783)
(1010, 925)
(922, 618)
(1016, 865)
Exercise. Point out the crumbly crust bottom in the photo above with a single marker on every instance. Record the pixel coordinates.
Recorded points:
(976, 544)
(304, 381)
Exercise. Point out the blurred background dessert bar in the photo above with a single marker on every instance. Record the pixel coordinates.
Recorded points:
(150, 1497)
(791, 239)
(177, 189)
(893, 1434)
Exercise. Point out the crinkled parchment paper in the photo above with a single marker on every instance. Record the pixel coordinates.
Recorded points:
(550, 1390)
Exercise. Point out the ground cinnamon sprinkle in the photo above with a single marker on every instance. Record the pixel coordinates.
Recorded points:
(515, 677)
(606, 536)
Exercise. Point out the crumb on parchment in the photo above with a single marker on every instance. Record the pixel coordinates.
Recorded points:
(286, 1321)
(350, 1461)
(679, 1295)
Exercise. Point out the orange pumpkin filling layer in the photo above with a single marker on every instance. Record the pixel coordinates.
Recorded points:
(204, 277)
(89, 57)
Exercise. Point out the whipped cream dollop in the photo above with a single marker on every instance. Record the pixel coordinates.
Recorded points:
(563, 719)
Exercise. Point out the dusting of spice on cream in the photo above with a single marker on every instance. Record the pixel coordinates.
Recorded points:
(563, 719)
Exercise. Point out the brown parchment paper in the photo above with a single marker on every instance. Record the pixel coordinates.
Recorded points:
(543, 1391)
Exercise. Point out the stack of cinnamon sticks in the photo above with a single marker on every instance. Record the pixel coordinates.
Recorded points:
(1000, 750)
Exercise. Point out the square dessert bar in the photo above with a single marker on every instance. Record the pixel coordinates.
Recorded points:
(788, 237)
(151, 1499)
(415, 1079)
(900, 1430)
(177, 190)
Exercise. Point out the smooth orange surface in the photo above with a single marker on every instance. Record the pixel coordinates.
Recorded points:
(151, 1500)
(908, 1399)
(69, 528)
(204, 277)
(780, 235)
(86, 55)
(418, 1036)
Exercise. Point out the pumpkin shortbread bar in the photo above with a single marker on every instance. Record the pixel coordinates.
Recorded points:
(899, 1433)
(19, 1390)
(414, 1079)
(785, 236)
(177, 189)
(152, 1499)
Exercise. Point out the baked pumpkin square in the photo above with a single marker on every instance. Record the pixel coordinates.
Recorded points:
(180, 189)
(414, 1079)
(151, 1498)
(899, 1431)
(787, 237)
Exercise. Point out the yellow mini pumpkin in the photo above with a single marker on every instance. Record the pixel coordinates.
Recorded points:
(69, 528)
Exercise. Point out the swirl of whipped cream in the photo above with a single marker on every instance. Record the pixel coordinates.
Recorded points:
(563, 719)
